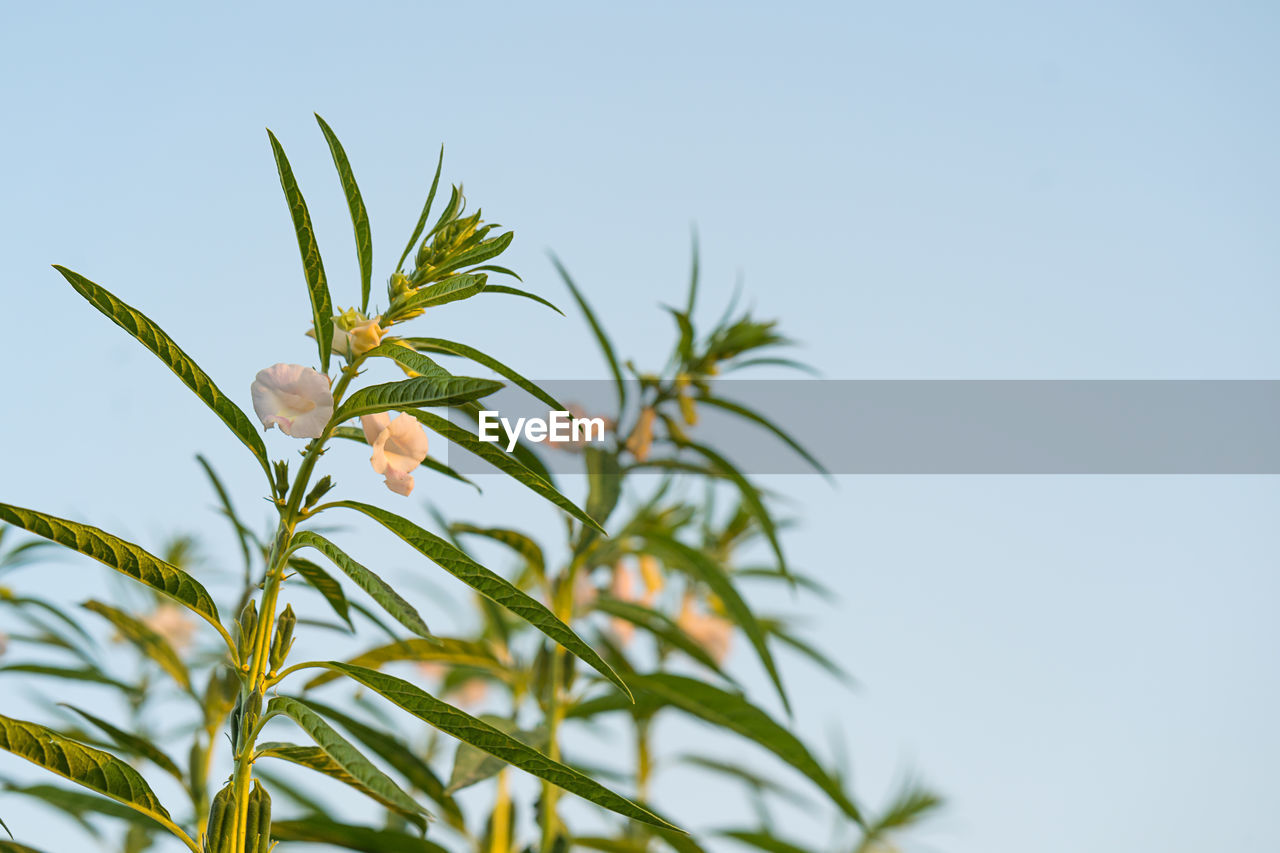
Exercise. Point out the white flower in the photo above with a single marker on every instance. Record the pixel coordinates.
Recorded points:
(399, 445)
(171, 622)
(295, 398)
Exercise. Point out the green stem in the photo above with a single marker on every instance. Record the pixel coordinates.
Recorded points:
(563, 608)
(257, 676)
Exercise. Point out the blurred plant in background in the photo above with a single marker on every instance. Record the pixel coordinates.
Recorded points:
(640, 619)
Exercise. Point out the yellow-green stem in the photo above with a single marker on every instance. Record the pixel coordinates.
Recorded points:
(256, 677)
(563, 608)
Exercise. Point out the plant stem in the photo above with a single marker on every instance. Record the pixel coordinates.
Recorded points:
(563, 608)
(255, 679)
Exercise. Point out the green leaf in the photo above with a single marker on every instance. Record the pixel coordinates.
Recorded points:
(487, 583)
(315, 758)
(132, 743)
(440, 345)
(400, 756)
(750, 500)
(483, 252)
(363, 771)
(466, 728)
(86, 674)
(154, 338)
(410, 393)
(748, 777)
(763, 841)
(319, 830)
(733, 712)
(513, 539)
(312, 265)
(242, 533)
(88, 767)
(661, 626)
(697, 564)
(147, 640)
(756, 417)
(124, 557)
(452, 289)
(359, 215)
(472, 765)
(426, 213)
(14, 847)
(495, 456)
(604, 477)
(598, 330)
(79, 804)
(324, 583)
(378, 589)
(515, 291)
(445, 650)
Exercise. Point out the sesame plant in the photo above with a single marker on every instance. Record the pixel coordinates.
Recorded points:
(536, 722)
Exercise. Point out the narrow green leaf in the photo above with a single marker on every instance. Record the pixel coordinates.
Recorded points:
(697, 564)
(495, 456)
(483, 252)
(400, 756)
(693, 277)
(315, 758)
(132, 743)
(242, 532)
(513, 539)
(472, 765)
(440, 345)
(445, 650)
(605, 346)
(344, 753)
(515, 291)
(762, 840)
(86, 674)
(146, 639)
(466, 728)
(88, 767)
(661, 626)
(452, 289)
(756, 417)
(604, 478)
(154, 338)
(411, 393)
(750, 499)
(124, 557)
(312, 265)
(320, 830)
(359, 215)
(426, 213)
(378, 589)
(323, 583)
(81, 804)
(15, 847)
(733, 712)
(487, 583)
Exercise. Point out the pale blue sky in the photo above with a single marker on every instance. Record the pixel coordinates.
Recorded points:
(922, 190)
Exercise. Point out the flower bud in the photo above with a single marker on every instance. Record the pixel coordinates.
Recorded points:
(283, 639)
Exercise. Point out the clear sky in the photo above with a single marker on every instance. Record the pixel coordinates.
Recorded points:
(919, 190)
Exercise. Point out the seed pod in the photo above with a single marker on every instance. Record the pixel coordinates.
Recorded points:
(283, 639)
(220, 832)
(246, 628)
(257, 837)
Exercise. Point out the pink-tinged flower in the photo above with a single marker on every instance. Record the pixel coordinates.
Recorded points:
(709, 631)
(171, 622)
(622, 587)
(399, 445)
(295, 398)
